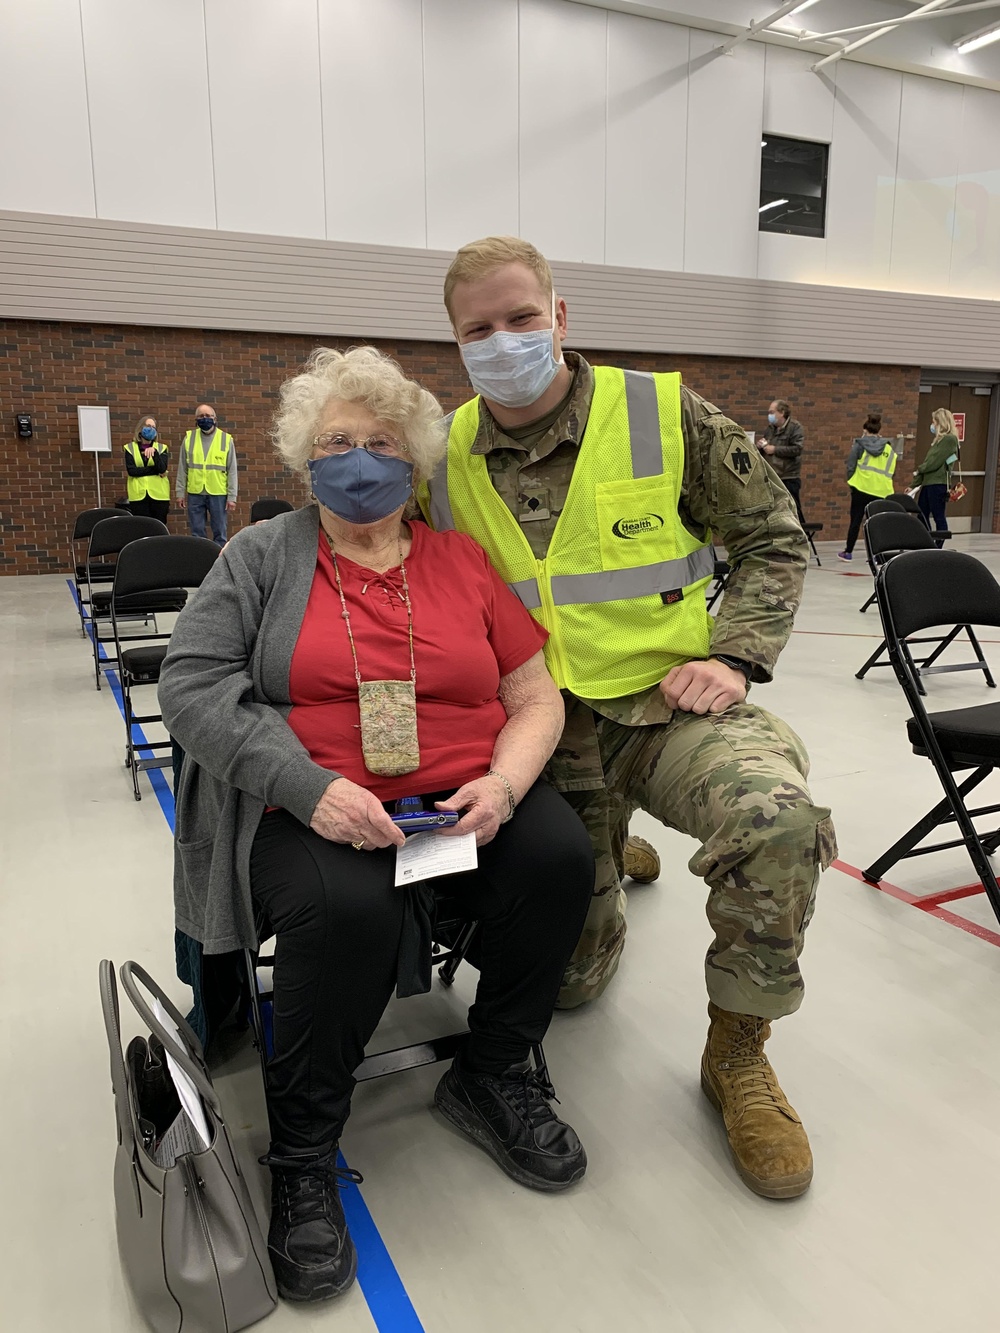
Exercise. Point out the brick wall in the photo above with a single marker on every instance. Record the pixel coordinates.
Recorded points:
(47, 368)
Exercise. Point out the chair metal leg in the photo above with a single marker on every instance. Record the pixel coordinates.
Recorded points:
(456, 957)
(872, 661)
(871, 601)
(979, 657)
(948, 639)
(938, 815)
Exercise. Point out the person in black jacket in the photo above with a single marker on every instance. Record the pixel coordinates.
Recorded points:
(782, 447)
(146, 459)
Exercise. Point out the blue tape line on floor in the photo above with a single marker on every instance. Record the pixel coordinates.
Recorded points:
(381, 1285)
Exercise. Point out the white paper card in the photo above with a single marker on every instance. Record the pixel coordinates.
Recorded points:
(426, 855)
(186, 1091)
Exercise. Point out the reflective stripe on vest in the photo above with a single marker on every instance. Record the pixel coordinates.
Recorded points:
(621, 587)
(155, 485)
(873, 472)
(207, 472)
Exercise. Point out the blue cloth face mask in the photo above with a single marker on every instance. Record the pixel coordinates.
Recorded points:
(206, 423)
(513, 369)
(148, 432)
(360, 487)
(772, 418)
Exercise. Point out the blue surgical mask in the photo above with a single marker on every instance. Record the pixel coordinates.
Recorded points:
(513, 369)
(360, 487)
(933, 429)
(206, 423)
(148, 432)
(772, 418)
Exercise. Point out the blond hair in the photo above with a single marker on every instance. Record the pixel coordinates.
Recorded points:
(140, 423)
(944, 421)
(480, 258)
(359, 375)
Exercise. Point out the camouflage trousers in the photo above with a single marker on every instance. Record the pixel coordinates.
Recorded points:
(735, 781)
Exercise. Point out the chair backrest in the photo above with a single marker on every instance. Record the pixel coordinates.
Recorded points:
(268, 507)
(111, 535)
(890, 505)
(911, 507)
(896, 532)
(89, 519)
(921, 589)
(163, 562)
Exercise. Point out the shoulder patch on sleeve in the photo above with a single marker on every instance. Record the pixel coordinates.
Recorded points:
(741, 458)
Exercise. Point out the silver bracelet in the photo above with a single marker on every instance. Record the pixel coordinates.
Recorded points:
(511, 803)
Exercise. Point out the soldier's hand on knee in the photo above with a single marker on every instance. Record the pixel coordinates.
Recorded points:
(704, 687)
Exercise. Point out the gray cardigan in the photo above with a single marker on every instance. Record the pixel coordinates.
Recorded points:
(224, 696)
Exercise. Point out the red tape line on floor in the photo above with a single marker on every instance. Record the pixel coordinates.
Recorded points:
(914, 900)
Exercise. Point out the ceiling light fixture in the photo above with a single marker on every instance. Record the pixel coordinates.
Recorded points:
(977, 39)
(775, 203)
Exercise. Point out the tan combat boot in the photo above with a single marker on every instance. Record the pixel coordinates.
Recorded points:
(642, 862)
(768, 1142)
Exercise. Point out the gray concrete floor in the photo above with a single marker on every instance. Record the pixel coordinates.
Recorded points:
(891, 1062)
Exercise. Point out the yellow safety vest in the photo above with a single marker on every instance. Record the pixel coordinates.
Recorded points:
(622, 587)
(873, 474)
(207, 470)
(157, 487)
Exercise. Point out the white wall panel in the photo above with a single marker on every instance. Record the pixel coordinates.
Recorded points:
(862, 181)
(563, 52)
(470, 94)
(798, 102)
(263, 68)
(647, 142)
(930, 126)
(147, 77)
(45, 161)
(725, 98)
(975, 255)
(784, 258)
(373, 117)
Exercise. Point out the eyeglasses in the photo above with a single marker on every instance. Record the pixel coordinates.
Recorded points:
(383, 446)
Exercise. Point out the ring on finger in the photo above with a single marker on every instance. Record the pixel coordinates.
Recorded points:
(358, 845)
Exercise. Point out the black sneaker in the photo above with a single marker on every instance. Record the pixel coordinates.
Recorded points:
(310, 1247)
(510, 1118)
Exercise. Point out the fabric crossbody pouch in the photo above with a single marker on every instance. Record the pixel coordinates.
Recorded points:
(190, 1242)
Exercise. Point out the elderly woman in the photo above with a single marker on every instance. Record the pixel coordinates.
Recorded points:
(337, 660)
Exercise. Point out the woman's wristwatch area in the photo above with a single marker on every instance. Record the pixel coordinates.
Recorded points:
(511, 802)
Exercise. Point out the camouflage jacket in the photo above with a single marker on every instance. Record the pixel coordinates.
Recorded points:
(728, 493)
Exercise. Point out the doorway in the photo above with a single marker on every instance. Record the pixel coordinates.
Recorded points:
(975, 407)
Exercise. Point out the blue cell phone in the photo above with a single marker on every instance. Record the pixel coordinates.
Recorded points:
(416, 821)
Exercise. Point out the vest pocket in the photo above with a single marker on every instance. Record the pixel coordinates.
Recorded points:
(636, 520)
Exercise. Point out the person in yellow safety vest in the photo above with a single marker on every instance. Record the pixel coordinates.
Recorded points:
(207, 479)
(597, 493)
(871, 465)
(146, 459)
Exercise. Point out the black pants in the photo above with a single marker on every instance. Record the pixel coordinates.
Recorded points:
(932, 501)
(793, 485)
(147, 508)
(337, 918)
(859, 502)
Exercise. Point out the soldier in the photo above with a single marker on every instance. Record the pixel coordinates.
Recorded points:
(596, 492)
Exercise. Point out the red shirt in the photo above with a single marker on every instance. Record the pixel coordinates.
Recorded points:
(468, 630)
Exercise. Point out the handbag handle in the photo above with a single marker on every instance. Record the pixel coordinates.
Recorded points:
(183, 1044)
(119, 1079)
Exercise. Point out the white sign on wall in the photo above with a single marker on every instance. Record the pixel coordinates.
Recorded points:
(95, 429)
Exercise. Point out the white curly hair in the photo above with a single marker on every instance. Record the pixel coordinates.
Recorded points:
(359, 375)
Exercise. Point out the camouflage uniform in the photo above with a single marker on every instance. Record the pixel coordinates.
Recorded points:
(735, 781)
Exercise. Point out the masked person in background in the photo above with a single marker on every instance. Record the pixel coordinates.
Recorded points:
(335, 660)
(782, 447)
(146, 459)
(596, 493)
(207, 478)
(933, 475)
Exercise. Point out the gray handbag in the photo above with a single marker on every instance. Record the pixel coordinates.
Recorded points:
(189, 1239)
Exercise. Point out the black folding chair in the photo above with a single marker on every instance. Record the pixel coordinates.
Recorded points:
(718, 587)
(154, 572)
(453, 935)
(110, 537)
(918, 590)
(269, 508)
(887, 535)
(811, 529)
(890, 505)
(911, 507)
(102, 572)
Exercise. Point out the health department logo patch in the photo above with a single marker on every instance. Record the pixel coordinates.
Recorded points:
(628, 529)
